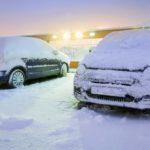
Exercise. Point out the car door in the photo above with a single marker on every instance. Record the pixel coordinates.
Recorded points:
(34, 67)
(51, 63)
(45, 64)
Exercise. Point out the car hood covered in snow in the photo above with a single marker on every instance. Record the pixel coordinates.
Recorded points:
(126, 50)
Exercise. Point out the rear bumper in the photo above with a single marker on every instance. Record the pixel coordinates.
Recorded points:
(141, 103)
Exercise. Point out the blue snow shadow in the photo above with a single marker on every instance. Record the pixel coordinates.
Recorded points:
(12, 124)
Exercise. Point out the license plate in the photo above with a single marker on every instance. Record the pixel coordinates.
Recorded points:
(110, 91)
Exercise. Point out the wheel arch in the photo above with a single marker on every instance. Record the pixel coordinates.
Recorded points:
(66, 65)
(18, 67)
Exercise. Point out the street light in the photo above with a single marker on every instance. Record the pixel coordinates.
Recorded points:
(79, 35)
(92, 34)
(66, 36)
(54, 37)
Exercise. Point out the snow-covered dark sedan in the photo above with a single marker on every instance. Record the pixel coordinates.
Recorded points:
(117, 72)
(24, 58)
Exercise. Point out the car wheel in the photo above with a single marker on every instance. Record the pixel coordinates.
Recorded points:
(16, 78)
(64, 70)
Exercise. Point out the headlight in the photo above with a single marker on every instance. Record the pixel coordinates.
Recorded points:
(81, 70)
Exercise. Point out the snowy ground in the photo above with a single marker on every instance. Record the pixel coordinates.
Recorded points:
(41, 116)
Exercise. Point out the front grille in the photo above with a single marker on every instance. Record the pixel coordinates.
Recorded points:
(110, 98)
(114, 82)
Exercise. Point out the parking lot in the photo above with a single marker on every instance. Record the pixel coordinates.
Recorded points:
(43, 116)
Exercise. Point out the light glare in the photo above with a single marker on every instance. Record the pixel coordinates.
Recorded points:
(92, 34)
(79, 35)
(66, 36)
(54, 37)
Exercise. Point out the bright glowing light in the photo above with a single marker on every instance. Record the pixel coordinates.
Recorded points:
(79, 35)
(54, 37)
(66, 36)
(92, 34)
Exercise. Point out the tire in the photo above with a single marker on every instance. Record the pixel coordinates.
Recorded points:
(16, 78)
(64, 70)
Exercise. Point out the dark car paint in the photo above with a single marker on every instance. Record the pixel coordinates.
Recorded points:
(42, 67)
(36, 68)
(3, 79)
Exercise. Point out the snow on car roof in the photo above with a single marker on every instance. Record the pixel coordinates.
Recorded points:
(14, 47)
(126, 41)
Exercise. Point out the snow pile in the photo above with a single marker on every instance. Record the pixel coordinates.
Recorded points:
(122, 50)
(39, 117)
(108, 130)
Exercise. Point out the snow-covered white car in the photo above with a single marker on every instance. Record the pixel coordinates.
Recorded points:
(24, 58)
(117, 72)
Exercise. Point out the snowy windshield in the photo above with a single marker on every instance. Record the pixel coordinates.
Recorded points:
(126, 41)
(122, 50)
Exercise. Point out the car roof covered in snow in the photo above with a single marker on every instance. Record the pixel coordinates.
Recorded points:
(125, 41)
(14, 47)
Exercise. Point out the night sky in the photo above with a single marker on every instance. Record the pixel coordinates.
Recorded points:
(48, 16)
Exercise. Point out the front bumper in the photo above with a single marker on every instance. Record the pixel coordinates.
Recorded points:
(127, 101)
